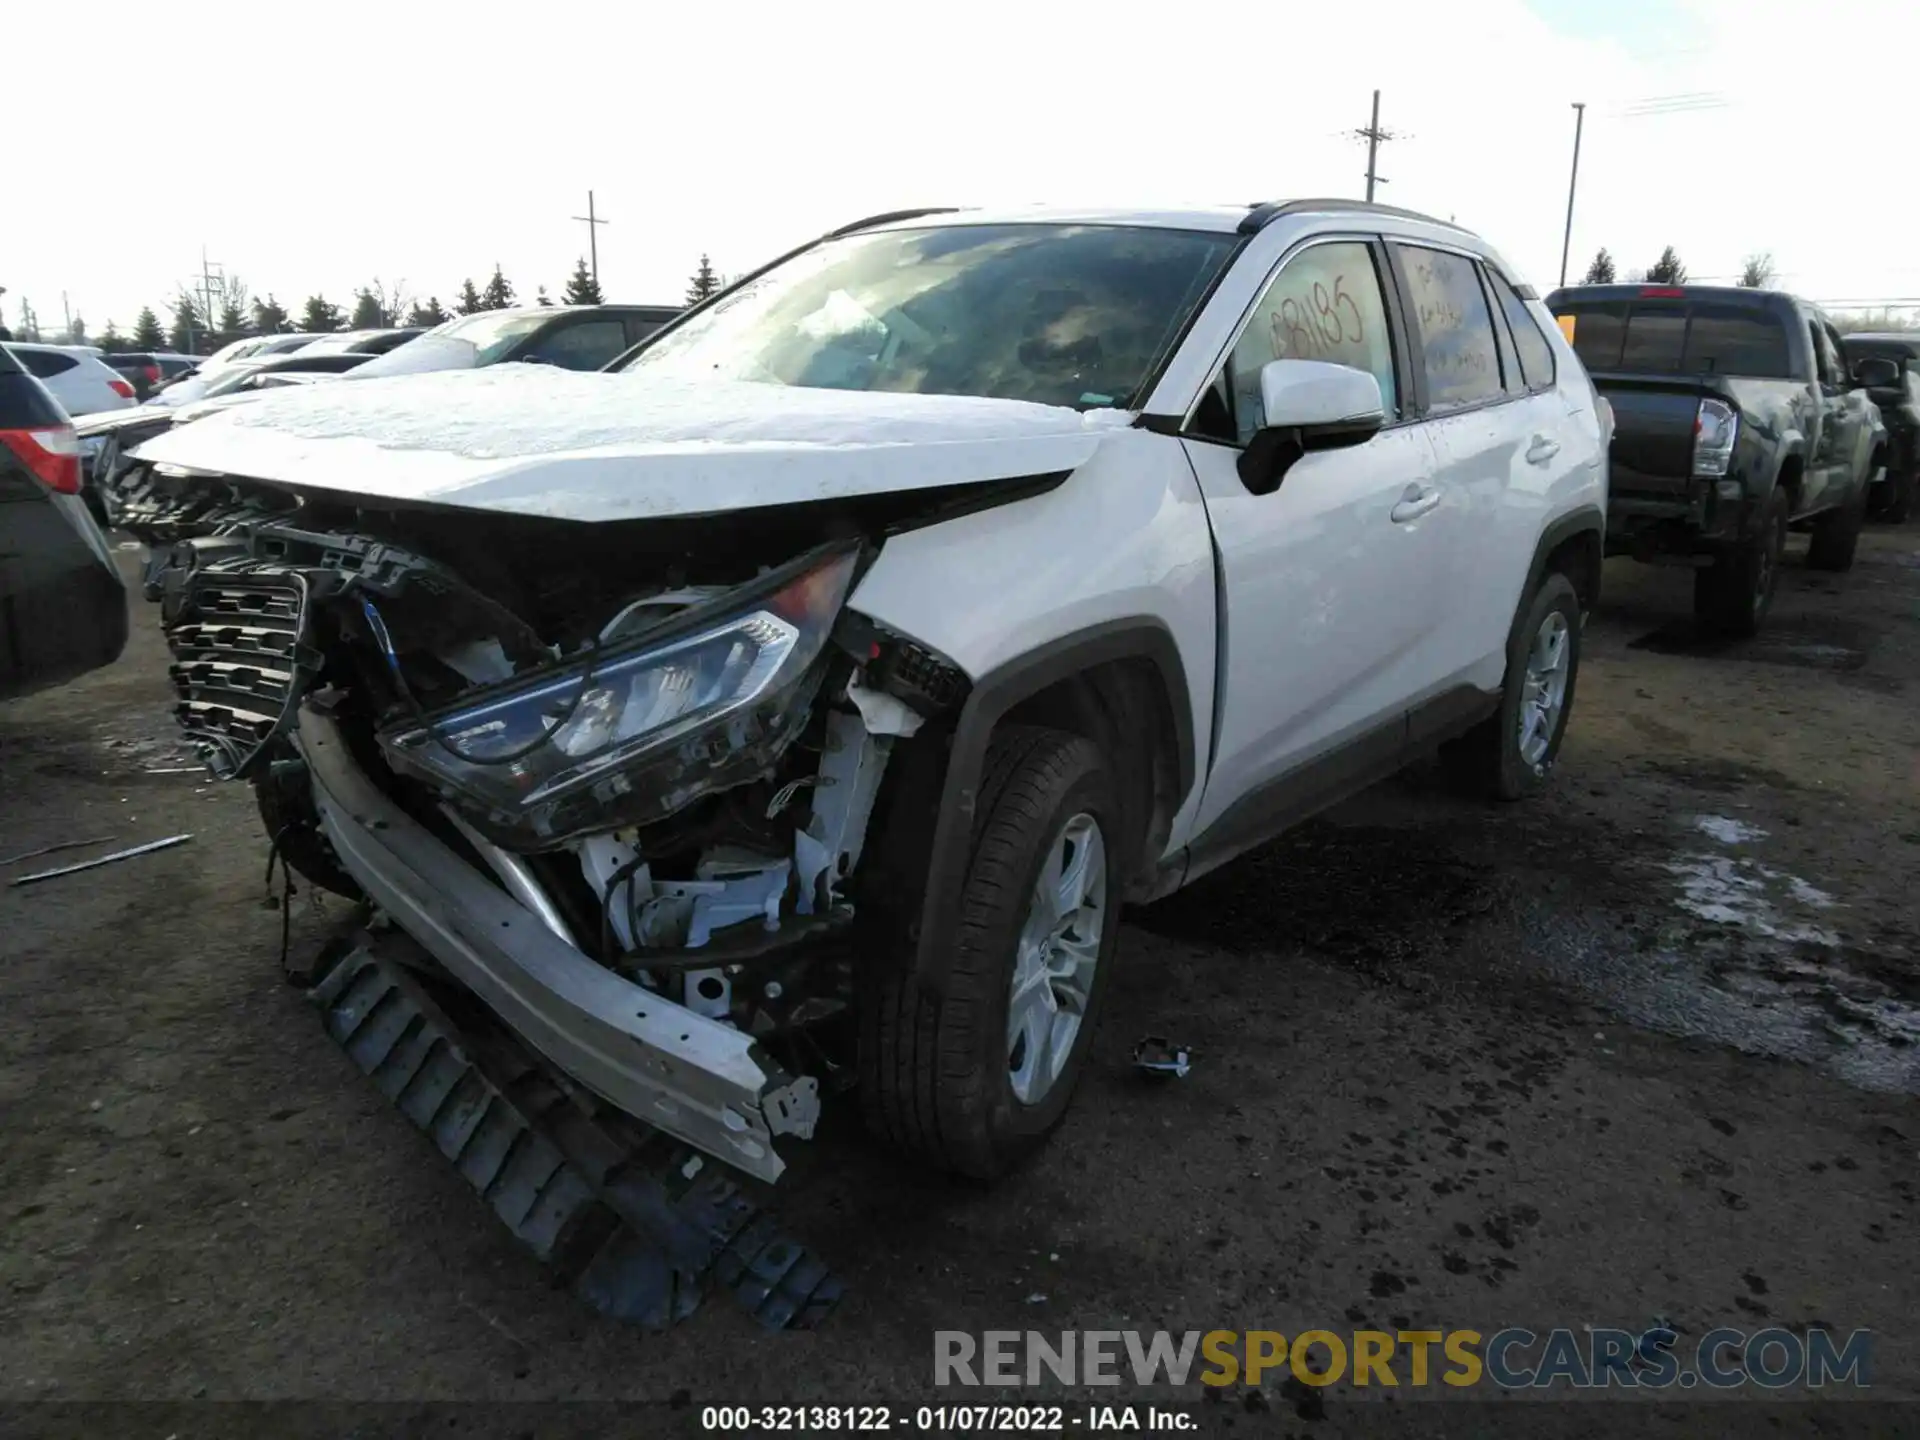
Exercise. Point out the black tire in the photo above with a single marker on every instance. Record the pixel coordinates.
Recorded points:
(286, 809)
(1487, 760)
(1733, 595)
(935, 1078)
(1896, 497)
(1836, 534)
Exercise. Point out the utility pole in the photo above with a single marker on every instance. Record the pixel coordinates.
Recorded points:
(593, 223)
(1373, 135)
(1566, 240)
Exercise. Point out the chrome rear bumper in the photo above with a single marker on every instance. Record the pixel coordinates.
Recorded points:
(699, 1080)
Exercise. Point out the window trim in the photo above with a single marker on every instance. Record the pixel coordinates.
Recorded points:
(1397, 344)
(1394, 246)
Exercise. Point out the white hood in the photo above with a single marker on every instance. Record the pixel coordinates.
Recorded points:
(531, 440)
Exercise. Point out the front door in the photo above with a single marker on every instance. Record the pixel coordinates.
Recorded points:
(1331, 586)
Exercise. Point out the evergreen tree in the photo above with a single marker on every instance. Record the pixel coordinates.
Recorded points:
(1600, 272)
(582, 288)
(469, 301)
(499, 294)
(1758, 273)
(111, 340)
(428, 315)
(269, 318)
(233, 320)
(704, 282)
(319, 316)
(185, 327)
(540, 296)
(367, 312)
(76, 330)
(1667, 270)
(147, 332)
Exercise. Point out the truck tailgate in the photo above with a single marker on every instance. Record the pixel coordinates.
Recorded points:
(1653, 421)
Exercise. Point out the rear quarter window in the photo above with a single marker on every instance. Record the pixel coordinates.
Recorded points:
(46, 363)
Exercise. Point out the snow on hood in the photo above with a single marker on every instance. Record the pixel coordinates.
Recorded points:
(532, 440)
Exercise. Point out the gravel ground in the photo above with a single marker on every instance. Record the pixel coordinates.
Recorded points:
(1644, 1047)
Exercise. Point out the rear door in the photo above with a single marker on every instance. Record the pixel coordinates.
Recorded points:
(1489, 433)
(1830, 456)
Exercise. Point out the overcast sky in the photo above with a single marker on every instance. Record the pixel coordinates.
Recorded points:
(313, 147)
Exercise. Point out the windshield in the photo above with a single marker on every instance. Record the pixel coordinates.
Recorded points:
(471, 340)
(1060, 314)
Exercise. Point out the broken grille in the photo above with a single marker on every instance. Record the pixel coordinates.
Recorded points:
(240, 662)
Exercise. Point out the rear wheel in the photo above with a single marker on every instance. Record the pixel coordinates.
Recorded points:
(973, 1073)
(1510, 754)
(1836, 534)
(1733, 595)
(1895, 501)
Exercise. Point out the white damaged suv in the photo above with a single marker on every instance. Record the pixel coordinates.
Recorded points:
(796, 703)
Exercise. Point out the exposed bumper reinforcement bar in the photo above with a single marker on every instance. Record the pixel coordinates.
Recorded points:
(632, 1220)
(690, 1076)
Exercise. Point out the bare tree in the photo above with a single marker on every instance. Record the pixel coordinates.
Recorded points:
(393, 300)
(1759, 272)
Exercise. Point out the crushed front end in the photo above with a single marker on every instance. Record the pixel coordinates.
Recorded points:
(616, 779)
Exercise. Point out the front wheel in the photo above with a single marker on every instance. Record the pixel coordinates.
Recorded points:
(1509, 755)
(973, 1073)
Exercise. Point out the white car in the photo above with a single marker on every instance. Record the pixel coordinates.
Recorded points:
(80, 380)
(879, 629)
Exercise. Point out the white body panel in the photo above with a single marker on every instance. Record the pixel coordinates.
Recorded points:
(1335, 613)
(1124, 537)
(533, 440)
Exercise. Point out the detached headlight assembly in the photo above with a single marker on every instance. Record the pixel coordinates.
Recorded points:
(634, 731)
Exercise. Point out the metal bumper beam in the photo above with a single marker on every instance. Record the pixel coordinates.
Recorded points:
(694, 1078)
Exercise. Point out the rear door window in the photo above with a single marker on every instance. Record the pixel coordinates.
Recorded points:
(1458, 352)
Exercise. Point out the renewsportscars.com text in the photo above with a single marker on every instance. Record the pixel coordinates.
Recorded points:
(1512, 1358)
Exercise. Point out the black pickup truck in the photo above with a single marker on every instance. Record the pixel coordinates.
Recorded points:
(1893, 497)
(1734, 419)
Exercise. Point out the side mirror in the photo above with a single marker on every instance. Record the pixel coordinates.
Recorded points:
(1309, 405)
(1877, 373)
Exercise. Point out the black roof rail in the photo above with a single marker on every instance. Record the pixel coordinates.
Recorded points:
(1260, 215)
(888, 217)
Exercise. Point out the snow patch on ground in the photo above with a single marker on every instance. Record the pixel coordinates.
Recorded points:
(1728, 890)
(1728, 832)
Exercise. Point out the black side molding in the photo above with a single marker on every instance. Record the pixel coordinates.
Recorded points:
(1557, 533)
(992, 696)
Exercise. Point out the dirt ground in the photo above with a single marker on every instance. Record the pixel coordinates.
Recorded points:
(1645, 1047)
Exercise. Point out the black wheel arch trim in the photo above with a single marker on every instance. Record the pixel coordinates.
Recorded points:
(993, 695)
(1557, 532)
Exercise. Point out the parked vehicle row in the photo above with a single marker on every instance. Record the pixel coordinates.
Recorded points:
(1736, 419)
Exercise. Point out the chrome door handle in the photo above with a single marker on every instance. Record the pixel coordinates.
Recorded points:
(1417, 501)
(1542, 450)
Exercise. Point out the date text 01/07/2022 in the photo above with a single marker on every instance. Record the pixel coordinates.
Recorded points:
(936, 1419)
